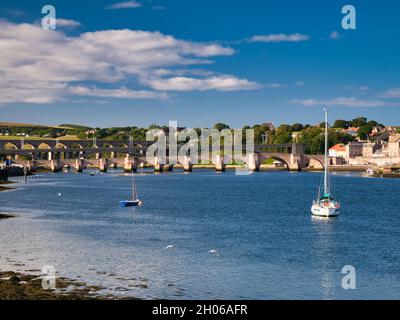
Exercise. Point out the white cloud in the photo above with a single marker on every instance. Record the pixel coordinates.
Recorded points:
(346, 102)
(116, 93)
(335, 35)
(15, 13)
(296, 37)
(391, 93)
(275, 85)
(67, 23)
(38, 66)
(299, 83)
(159, 8)
(221, 83)
(124, 5)
(363, 88)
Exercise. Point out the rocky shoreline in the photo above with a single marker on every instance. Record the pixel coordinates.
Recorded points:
(18, 286)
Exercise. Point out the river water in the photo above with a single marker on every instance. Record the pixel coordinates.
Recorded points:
(269, 245)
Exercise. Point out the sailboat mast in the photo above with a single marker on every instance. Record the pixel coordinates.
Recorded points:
(326, 188)
(134, 192)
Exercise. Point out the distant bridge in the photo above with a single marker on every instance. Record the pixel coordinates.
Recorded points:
(130, 154)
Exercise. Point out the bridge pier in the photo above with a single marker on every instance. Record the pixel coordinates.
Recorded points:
(31, 165)
(79, 165)
(168, 167)
(112, 156)
(54, 166)
(219, 163)
(187, 164)
(103, 165)
(158, 167)
(253, 163)
(294, 163)
(130, 164)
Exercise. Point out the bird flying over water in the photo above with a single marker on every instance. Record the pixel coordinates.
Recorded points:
(214, 251)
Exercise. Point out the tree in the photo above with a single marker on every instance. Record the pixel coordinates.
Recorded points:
(358, 122)
(260, 133)
(364, 131)
(313, 138)
(297, 127)
(283, 137)
(221, 126)
(343, 124)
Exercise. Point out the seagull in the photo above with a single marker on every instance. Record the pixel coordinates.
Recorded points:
(170, 246)
(214, 251)
(59, 194)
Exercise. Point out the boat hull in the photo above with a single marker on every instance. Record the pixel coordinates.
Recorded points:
(319, 211)
(129, 203)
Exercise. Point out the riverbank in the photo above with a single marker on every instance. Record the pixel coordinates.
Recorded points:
(6, 216)
(17, 286)
(341, 168)
(3, 187)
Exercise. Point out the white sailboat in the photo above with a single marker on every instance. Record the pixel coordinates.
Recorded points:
(325, 205)
(135, 199)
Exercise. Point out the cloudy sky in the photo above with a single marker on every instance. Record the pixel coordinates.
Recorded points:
(112, 63)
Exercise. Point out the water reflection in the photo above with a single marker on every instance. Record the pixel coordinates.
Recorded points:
(326, 243)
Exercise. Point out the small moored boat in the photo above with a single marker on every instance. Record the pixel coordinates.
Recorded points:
(134, 202)
(370, 171)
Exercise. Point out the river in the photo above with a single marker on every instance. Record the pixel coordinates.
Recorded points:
(269, 246)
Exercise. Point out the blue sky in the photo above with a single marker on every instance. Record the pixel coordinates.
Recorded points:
(198, 62)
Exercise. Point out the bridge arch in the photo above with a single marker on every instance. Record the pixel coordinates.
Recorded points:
(10, 146)
(75, 150)
(60, 146)
(60, 152)
(108, 154)
(43, 151)
(75, 146)
(28, 146)
(44, 146)
(270, 160)
(315, 163)
(122, 154)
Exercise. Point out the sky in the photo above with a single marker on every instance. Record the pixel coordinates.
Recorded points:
(135, 63)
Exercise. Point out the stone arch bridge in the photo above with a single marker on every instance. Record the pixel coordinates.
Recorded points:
(130, 154)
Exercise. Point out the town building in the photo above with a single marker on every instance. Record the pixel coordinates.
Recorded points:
(353, 131)
(354, 149)
(394, 146)
(338, 151)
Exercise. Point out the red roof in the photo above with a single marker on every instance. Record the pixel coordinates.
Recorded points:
(338, 147)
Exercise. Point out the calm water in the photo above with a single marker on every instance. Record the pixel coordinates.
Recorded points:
(270, 247)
